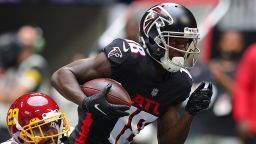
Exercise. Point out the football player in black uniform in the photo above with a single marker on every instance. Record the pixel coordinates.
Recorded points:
(154, 74)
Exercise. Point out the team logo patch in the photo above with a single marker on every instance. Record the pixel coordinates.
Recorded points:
(156, 15)
(116, 52)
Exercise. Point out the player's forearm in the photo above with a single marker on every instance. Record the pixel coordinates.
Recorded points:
(66, 83)
(179, 132)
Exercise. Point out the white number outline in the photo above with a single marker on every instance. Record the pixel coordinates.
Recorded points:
(127, 127)
(136, 48)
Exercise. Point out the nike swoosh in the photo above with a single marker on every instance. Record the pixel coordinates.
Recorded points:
(124, 48)
(97, 107)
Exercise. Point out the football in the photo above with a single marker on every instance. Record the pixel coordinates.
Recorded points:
(116, 95)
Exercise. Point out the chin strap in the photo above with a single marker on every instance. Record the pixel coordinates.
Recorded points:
(169, 65)
(173, 65)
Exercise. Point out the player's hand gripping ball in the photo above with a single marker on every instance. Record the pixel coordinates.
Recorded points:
(106, 97)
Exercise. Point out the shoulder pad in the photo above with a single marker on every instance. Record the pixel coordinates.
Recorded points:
(116, 51)
(119, 50)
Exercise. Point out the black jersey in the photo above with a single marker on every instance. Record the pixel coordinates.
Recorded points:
(135, 70)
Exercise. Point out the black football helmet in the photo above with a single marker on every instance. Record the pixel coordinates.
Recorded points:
(166, 21)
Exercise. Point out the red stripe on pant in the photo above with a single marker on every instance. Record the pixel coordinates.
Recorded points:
(85, 128)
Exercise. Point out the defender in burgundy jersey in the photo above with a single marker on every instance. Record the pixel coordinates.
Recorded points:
(154, 74)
